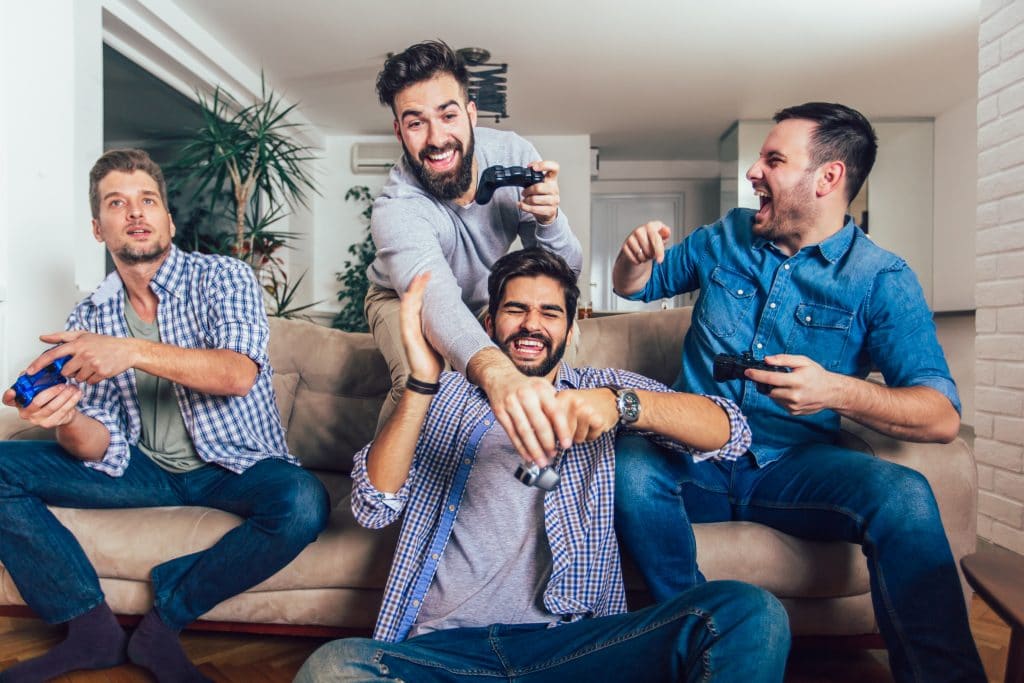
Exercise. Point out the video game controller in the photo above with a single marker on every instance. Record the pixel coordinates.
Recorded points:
(727, 367)
(542, 477)
(499, 176)
(27, 386)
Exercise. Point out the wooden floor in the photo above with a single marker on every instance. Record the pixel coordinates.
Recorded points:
(233, 658)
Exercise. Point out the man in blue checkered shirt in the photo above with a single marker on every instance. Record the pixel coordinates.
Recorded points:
(493, 579)
(171, 404)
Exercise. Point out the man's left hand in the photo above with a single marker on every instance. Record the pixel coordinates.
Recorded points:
(542, 199)
(94, 357)
(808, 389)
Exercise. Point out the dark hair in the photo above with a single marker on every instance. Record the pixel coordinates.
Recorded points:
(842, 134)
(126, 161)
(419, 63)
(531, 263)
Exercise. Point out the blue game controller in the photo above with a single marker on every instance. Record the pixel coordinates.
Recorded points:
(27, 386)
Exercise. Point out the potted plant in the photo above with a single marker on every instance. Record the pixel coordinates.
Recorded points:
(354, 283)
(249, 171)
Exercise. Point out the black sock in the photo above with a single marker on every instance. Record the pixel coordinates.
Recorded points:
(95, 641)
(155, 646)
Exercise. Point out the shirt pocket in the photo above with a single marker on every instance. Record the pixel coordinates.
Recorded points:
(820, 333)
(726, 301)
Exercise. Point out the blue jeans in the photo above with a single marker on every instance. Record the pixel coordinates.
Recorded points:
(721, 631)
(818, 492)
(283, 506)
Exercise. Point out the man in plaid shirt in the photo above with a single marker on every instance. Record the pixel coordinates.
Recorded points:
(171, 404)
(493, 579)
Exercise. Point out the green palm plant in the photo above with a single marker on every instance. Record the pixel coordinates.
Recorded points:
(246, 160)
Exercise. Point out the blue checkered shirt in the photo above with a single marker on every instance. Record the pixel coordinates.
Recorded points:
(586, 577)
(206, 302)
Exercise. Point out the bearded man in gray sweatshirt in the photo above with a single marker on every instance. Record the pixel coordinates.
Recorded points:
(426, 219)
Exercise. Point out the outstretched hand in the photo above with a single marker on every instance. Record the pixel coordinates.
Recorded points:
(425, 364)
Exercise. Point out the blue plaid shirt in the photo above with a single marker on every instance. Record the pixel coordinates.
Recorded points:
(586, 577)
(206, 302)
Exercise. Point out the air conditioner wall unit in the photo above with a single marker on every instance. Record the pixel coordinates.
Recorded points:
(375, 157)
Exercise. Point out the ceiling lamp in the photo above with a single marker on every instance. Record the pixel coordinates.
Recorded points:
(487, 82)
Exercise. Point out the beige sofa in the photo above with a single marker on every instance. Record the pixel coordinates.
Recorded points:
(329, 388)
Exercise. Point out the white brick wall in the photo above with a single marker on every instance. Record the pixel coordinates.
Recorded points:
(999, 293)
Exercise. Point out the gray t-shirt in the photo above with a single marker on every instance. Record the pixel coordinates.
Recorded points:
(164, 437)
(497, 561)
(415, 232)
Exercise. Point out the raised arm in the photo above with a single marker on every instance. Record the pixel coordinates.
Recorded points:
(391, 455)
(644, 245)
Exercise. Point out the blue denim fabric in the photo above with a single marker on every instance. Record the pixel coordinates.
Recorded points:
(722, 631)
(818, 492)
(845, 303)
(284, 508)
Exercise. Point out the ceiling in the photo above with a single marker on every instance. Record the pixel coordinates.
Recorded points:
(647, 79)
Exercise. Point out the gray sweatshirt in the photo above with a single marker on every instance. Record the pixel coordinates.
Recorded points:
(416, 232)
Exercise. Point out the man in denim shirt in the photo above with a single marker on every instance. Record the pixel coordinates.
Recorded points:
(798, 284)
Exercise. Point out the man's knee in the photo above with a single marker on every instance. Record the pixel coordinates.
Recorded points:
(639, 468)
(742, 612)
(300, 507)
(349, 659)
(906, 500)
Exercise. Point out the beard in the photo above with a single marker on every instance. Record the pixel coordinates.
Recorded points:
(132, 256)
(547, 363)
(451, 185)
(790, 210)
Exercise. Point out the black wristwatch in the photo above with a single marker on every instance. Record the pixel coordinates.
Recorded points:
(627, 402)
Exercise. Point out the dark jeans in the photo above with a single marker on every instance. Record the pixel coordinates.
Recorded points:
(283, 506)
(818, 492)
(721, 631)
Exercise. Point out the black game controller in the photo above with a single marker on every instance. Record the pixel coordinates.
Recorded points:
(27, 386)
(499, 176)
(729, 367)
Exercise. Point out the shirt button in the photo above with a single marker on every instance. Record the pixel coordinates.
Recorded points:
(786, 267)
(771, 305)
(415, 603)
(760, 346)
(451, 508)
(739, 291)
(466, 461)
(808, 319)
(487, 422)
(434, 556)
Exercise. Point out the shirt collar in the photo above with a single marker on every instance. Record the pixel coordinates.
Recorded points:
(832, 249)
(568, 377)
(170, 277)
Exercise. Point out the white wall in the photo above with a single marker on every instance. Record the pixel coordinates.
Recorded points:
(956, 179)
(999, 293)
(48, 142)
(337, 223)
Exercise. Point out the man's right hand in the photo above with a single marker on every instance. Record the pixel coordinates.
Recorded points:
(535, 421)
(633, 265)
(53, 407)
(425, 364)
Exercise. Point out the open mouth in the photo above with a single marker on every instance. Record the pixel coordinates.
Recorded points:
(139, 232)
(765, 198)
(441, 160)
(528, 348)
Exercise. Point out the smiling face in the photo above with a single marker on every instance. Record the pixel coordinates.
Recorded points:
(531, 325)
(434, 123)
(784, 181)
(132, 221)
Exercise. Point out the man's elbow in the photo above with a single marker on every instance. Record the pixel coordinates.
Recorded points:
(241, 382)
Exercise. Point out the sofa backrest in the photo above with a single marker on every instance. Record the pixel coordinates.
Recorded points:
(330, 384)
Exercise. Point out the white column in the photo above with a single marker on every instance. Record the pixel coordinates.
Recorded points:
(51, 131)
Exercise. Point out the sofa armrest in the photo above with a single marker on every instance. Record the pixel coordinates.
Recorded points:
(13, 428)
(950, 470)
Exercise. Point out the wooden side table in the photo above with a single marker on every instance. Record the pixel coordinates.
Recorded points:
(998, 577)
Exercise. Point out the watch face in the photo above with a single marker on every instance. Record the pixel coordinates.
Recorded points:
(629, 406)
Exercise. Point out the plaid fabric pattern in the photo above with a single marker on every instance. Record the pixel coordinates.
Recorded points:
(206, 302)
(586, 577)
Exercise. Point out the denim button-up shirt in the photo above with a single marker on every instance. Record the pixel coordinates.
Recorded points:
(846, 303)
